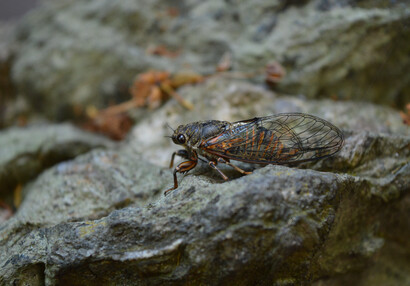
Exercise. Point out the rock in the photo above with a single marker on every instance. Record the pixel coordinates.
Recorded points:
(345, 49)
(102, 217)
(104, 180)
(26, 152)
(276, 226)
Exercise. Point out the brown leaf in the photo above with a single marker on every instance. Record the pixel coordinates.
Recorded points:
(184, 78)
(114, 125)
(274, 73)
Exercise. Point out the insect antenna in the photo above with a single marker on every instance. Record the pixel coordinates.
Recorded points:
(170, 127)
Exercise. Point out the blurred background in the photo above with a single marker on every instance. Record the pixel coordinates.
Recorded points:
(67, 60)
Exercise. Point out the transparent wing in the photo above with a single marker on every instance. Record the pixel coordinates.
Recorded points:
(281, 138)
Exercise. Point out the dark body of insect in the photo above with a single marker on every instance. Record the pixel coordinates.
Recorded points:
(276, 139)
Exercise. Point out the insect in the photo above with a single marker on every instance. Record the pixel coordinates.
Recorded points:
(277, 139)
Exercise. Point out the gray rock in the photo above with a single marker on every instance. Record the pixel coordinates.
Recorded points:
(26, 152)
(102, 218)
(277, 226)
(345, 49)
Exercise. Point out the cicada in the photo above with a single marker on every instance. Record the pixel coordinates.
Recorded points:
(277, 139)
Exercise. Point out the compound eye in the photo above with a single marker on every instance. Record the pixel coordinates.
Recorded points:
(181, 138)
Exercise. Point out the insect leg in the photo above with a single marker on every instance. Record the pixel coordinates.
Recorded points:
(182, 153)
(175, 183)
(182, 168)
(212, 164)
(222, 160)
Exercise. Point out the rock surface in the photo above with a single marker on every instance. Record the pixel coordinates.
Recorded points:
(102, 217)
(345, 49)
(278, 225)
(26, 152)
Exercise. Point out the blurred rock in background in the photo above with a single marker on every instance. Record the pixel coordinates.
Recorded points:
(74, 53)
(13, 10)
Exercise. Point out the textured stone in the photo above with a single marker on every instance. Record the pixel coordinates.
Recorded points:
(26, 152)
(278, 225)
(345, 49)
(102, 218)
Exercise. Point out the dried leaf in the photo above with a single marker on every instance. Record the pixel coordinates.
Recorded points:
(114, 125)
(169, 90)
(184, 78)
(145, 91)
(152, 88)
(274, 73)
(154, 98)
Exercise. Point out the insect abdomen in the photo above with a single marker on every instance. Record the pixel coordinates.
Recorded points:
(283, 138)
(263, 145)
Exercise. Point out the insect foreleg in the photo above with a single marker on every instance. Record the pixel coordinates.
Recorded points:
(212, 164)
(182, 153)
(181, 168)
(222, 160)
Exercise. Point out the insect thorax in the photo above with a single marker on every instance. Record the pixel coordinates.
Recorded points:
(203, 130)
